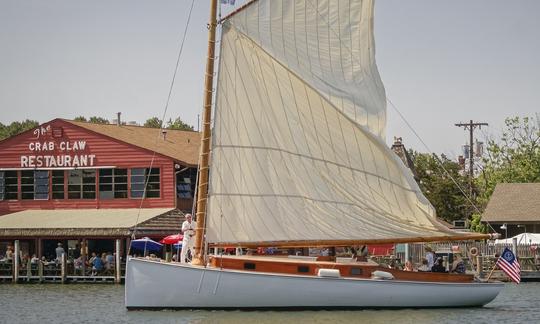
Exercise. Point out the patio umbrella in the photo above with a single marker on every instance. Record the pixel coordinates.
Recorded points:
(172, 239)
(145, 244)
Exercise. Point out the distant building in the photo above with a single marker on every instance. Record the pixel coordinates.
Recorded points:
(515, 207)
(75, 182)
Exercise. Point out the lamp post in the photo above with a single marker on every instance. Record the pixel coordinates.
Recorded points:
(505, 228)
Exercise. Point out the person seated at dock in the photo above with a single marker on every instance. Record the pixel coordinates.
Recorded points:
(424, 267)
(78, 264)
(9, 253)
(97, 264)
(438, 267)
(34, 259)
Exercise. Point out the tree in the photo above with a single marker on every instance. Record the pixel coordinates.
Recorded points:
(153, 122)
(93, 119)
(179, 125)
(515, 157)
(16, 128)
(98, 120)
(438, 186)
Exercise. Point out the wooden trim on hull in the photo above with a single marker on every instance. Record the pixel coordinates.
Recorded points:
(310, 268)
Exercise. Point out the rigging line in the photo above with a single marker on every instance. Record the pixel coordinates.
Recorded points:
(180, 51)
(437, 159)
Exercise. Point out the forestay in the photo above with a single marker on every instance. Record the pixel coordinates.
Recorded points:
(298, 148)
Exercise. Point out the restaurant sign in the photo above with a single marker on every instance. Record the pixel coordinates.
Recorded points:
(49, 149)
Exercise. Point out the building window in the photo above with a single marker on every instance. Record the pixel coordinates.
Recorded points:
(141, 176)
(27, 184)
(82, 184)
(41, 185)
(113, 183)
(185, 183)
(2, 185)
(9, 185)
(58, 184)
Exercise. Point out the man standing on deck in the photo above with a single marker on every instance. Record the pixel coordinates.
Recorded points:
(188, 230)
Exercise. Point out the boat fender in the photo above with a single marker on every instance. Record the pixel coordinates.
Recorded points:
(329, 273)
(382, 275)
(473, 251)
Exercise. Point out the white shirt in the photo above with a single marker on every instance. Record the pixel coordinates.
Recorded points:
(188, 229)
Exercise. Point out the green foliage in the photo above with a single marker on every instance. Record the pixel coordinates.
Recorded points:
(98, 120)
(438, 186)
(153, 122)
(476, 224)
(514, 158)
(16, 128)
(177, 124)
(93, 119)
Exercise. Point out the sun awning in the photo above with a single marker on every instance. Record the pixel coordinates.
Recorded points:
(76, 222)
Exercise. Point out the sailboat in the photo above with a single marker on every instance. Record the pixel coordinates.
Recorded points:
(296, 158)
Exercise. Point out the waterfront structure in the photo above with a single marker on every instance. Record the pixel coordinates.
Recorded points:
(86, 185)
(514, 208)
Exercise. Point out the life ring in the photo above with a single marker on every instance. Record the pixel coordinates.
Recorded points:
(473, 251)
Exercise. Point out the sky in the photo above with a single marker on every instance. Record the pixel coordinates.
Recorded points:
(442, 62)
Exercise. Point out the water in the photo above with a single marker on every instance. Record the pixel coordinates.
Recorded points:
(104, 303)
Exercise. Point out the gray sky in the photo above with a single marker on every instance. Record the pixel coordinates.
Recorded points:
(441, 62)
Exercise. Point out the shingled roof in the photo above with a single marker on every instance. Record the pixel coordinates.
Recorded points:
(514, 202)
(182, 146)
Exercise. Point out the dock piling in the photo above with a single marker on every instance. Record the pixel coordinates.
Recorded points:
(117, 265)
(16, 258)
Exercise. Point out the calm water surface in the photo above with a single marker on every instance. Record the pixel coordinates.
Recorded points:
(104, 303)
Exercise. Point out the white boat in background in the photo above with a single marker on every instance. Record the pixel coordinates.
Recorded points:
(299, 160)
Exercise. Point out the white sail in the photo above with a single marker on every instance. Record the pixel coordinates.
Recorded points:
(298, 151)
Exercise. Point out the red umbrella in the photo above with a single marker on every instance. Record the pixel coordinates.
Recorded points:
(172, 239)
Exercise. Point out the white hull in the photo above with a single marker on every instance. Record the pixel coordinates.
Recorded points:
(152, 284)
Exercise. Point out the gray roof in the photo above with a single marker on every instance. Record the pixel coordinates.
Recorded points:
(514, 202)
(82, 222)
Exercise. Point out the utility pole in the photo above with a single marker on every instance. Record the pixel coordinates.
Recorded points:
(470, 126)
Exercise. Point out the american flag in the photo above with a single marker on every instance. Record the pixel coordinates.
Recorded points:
(510, 265)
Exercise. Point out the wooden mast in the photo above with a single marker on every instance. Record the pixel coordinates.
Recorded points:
(198, 258)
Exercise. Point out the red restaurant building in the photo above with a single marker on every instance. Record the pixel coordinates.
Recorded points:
(86, 185)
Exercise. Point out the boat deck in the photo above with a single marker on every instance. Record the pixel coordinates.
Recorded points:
(310, 266)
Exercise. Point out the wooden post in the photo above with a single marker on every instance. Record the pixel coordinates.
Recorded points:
(83, 255)
(117, 265)
(202, 190)
(28, 270)
(40, 270)
(63, 268)
(514, 246)
(479, 266)
(15, 263)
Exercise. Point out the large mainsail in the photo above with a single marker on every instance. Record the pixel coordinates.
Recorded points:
(298, 150)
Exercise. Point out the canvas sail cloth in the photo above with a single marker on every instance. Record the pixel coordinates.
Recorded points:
(298, 153)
